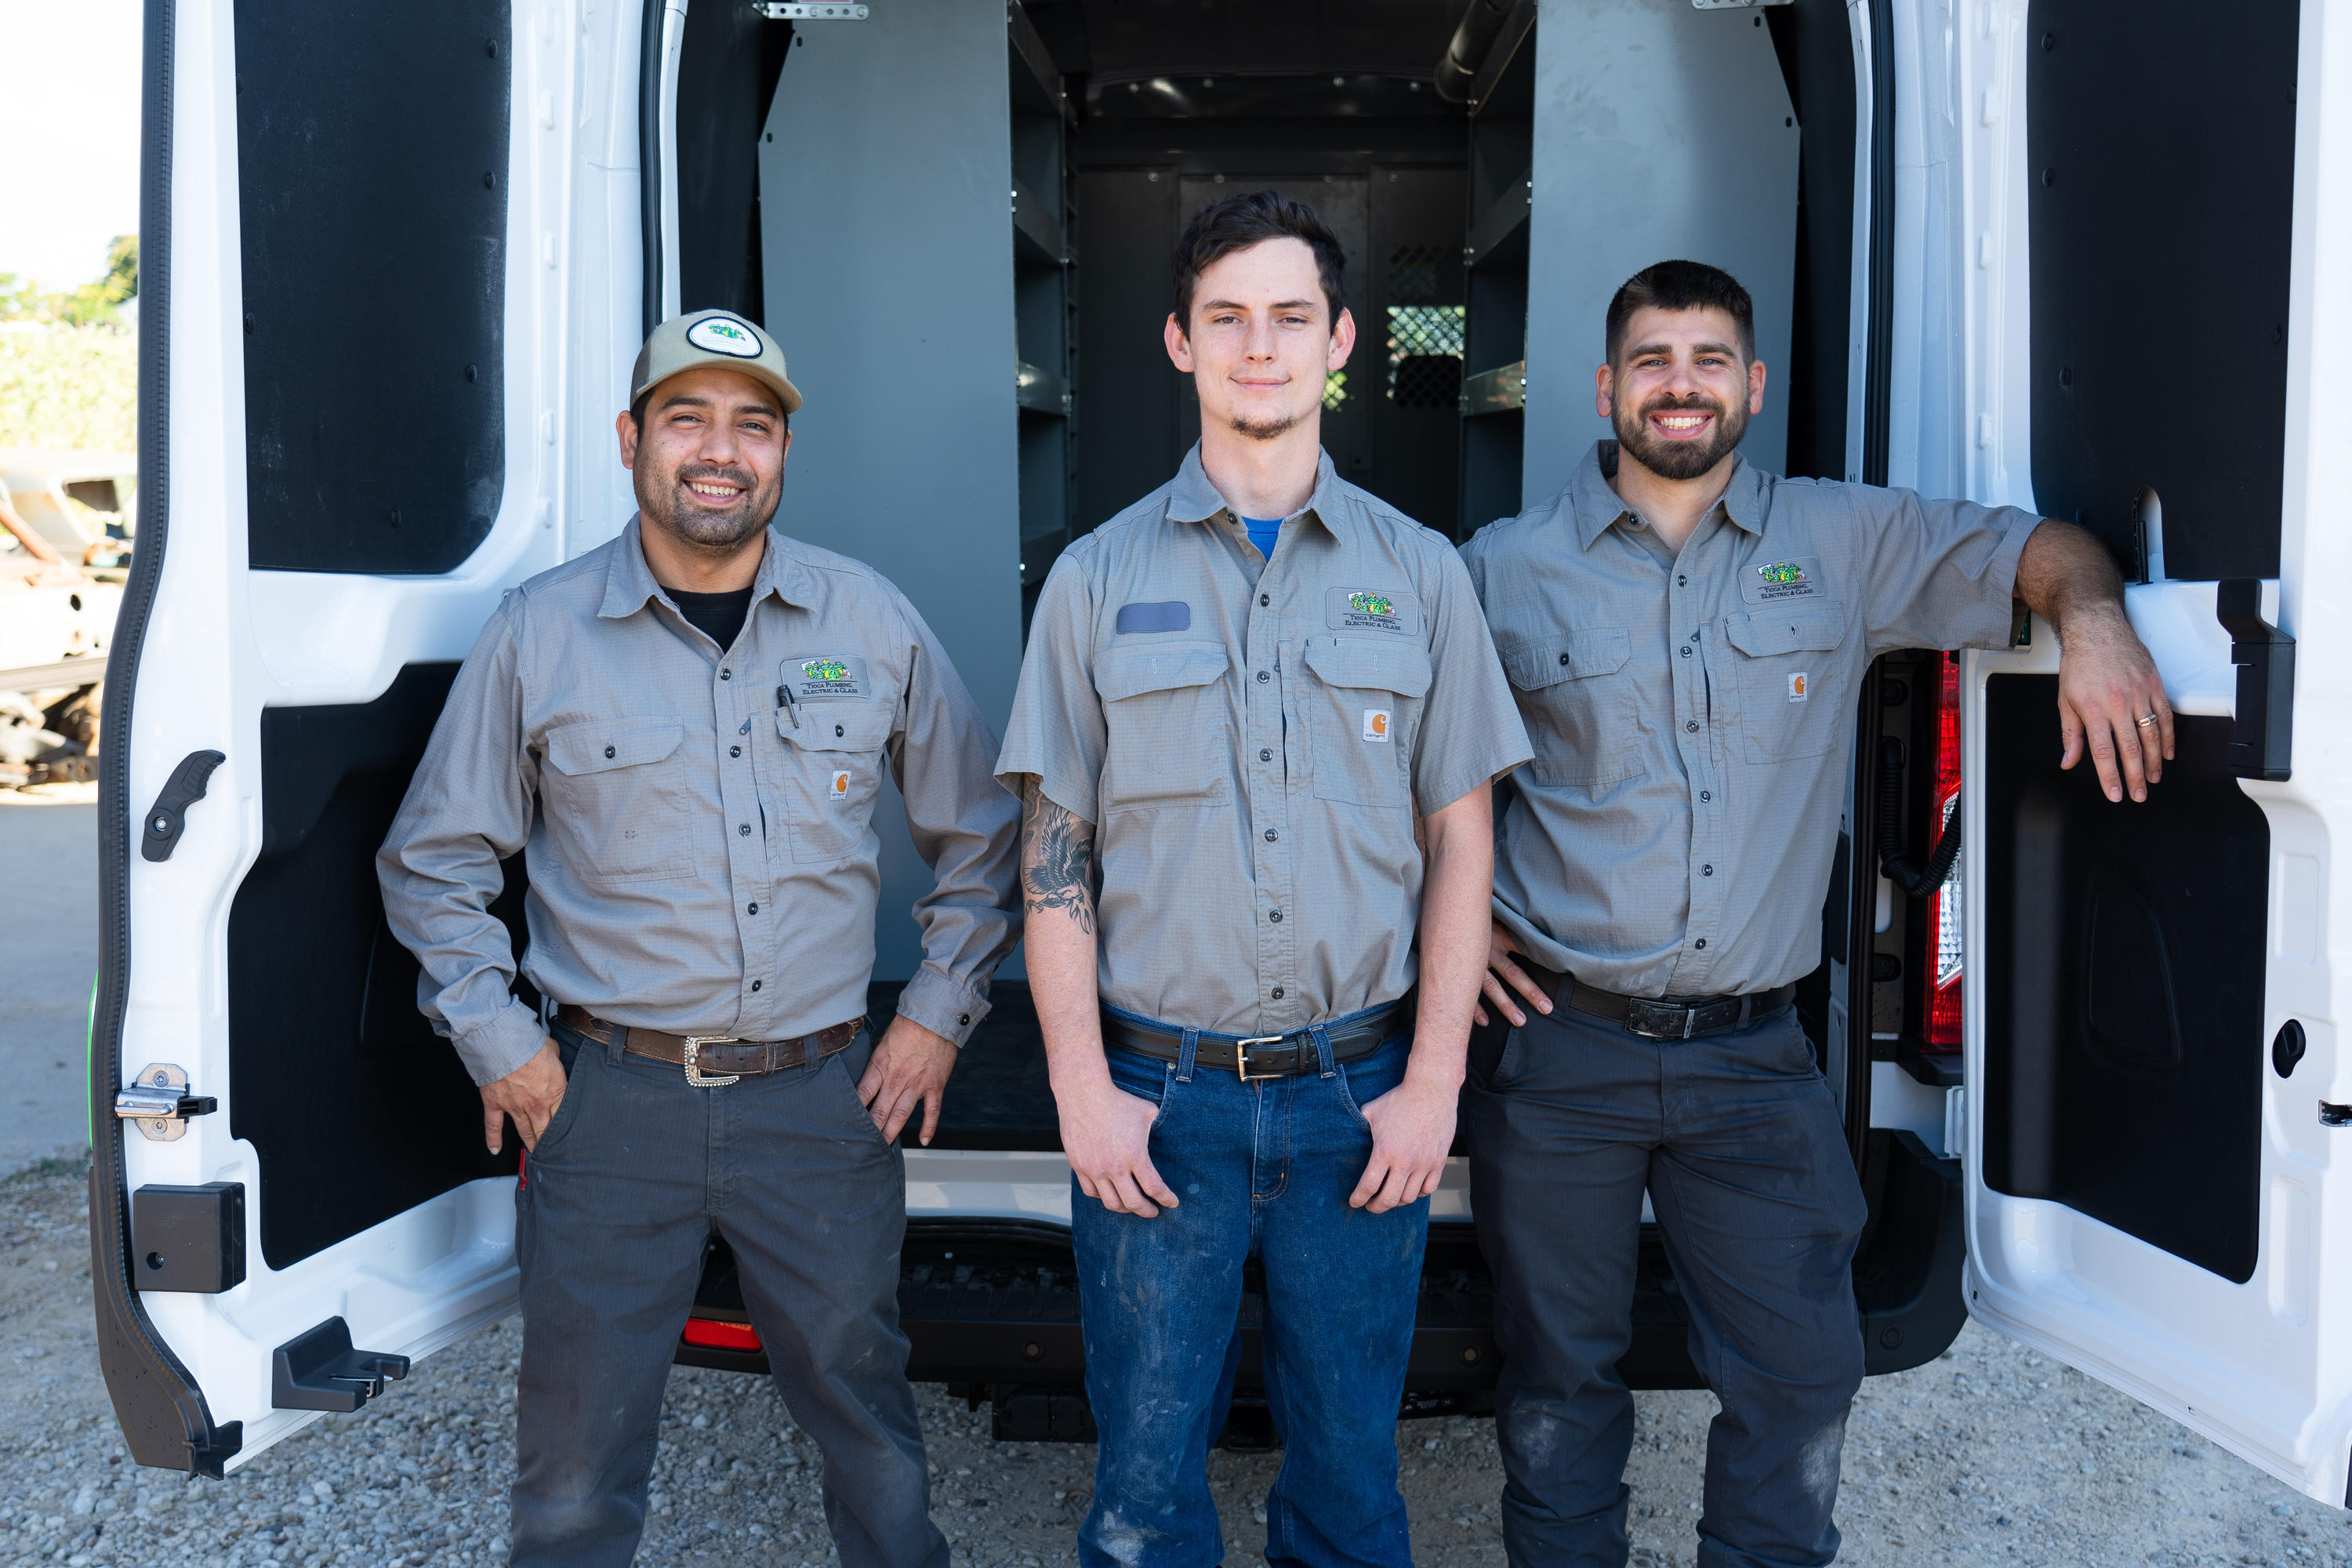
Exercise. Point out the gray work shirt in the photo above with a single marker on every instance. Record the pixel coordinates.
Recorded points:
(696, 821)
(1254, 740)
(1693, 714)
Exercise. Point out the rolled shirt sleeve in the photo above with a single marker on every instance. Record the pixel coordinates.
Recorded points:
(1059, 731)
(469, 808)
(1471, 732)
(1942, 573)
(966, 829)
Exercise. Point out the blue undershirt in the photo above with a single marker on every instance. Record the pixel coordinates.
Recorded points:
(1263, 531)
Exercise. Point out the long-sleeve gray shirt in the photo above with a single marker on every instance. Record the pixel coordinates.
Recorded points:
(696, 821)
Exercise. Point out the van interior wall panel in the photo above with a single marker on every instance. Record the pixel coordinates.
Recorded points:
(2124, 1043)
(2161, 143)
(1128, 221)
(335, 1072)
(372, 187)
(1690, 106)
(886, 236)
(727, 70)
(1815, 46)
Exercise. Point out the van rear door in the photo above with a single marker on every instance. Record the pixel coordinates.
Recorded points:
(357, 322)
(2155, 1122)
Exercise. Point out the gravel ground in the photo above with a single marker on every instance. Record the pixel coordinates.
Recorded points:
(1992, 1454)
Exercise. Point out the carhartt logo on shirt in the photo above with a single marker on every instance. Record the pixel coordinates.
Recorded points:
(1797, 679)
(841, 785)
(1376, 724)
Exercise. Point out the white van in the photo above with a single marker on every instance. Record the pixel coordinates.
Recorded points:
(397, 260)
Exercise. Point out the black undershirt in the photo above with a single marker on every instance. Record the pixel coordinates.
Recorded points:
(719, 616)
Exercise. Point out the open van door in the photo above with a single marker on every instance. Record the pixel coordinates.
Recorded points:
(358, 319)
(2157, 1076)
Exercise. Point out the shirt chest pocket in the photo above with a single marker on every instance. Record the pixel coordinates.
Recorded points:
(1361, 707)
(615, 803)
(1788, 672)
(1579, 703)
(1169, 722)
(833, 760)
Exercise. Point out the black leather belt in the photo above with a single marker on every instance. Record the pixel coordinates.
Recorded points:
(713, 1061)
(1661, 1017)
(1258, 1056)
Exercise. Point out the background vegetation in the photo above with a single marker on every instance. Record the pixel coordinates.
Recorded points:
(69, 360)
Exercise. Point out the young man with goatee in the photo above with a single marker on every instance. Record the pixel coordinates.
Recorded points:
(1253, 737)
(1685, 634)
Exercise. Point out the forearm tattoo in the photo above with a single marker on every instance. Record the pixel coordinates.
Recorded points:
(1057, 854)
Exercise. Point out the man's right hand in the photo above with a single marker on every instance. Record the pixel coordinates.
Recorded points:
(1503, 976)
(1107, 1133)
(529, 1094)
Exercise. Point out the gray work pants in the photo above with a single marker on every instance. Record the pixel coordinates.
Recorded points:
(634, 1173)
(1740, 1146)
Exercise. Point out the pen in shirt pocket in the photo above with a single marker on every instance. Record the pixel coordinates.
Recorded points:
(784, 700)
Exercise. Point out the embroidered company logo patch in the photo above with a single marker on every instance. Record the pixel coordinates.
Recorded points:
(1781, 571)
(1770, 582)
(1798, 680)
(1376, 724)
(1370, 609)
(825, 670)
(718, 335)
(825, 678)
(1370, 604)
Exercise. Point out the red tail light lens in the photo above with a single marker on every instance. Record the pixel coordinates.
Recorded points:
(710, 1334)
(1941, 960)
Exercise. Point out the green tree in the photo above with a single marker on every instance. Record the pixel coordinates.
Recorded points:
(86, 305)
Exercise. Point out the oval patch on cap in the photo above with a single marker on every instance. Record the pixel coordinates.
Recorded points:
(719, 335)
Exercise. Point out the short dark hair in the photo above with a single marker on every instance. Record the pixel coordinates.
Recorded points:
(1682, 286)
(1237, 222)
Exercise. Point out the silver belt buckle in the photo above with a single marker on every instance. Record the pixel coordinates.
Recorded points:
(694, 1075)
(1240, 1055)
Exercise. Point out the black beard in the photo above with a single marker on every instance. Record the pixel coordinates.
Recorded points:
(702, 527)
(1679, 460)
(1264, 429)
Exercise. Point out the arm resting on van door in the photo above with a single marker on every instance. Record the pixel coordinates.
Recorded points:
(2106, 681)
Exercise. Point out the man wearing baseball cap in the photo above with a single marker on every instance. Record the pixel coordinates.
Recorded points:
(684, 731)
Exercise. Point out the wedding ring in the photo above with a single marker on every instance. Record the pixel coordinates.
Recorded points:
(2145, 720)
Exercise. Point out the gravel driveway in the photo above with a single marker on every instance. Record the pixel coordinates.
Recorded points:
(1990, 1455)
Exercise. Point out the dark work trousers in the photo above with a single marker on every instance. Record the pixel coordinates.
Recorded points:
(1740, 1147)
(637, 1171)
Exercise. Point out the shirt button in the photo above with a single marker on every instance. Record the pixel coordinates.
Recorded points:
(743, 830)
(726, 675)
(1706, 795)
(1563, 659)
(734, 751)
(608, 752)
(1702, 943)
(1685, 651)
(1681, 581)
(1269, 836)
(1276, 917)
(1263, 675)
(755, 909)
(1264, 755)
(755, 986)
(1692, 725)
(1707, 870)
(836, 730)
(1278, 993)
(1263, 600)
(963, 1017)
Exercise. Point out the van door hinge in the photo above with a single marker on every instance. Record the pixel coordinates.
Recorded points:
(159, 1104)
(810, 11)
(2262, 735)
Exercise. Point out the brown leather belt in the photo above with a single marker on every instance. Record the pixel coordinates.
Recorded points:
(712, 1062)
(1263, 1056)
(1660, 1018)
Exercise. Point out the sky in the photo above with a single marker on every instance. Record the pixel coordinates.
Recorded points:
(69, 121)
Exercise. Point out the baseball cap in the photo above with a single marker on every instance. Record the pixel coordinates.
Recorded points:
(717, 338)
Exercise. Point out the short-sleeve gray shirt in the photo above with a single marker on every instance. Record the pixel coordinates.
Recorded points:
(1253, 740)
(1693, 713)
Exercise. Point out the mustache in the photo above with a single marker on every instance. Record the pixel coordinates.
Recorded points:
(709, 473)
(1666, 402)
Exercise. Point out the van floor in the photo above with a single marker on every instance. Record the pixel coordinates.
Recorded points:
(1990, 1453)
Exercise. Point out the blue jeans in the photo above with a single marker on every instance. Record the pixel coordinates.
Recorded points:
(1264, 1169)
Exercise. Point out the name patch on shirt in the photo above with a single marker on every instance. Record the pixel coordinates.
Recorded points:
(826, 678)
(1778, 582)
(1164, 616)
(1371, 609)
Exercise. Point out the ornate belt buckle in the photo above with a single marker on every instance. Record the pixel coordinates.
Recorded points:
(694, 1075)
(1240, 1055)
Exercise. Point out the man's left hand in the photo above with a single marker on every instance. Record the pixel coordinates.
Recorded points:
(1413, 1127)
(2107, 685)
(909, 1068)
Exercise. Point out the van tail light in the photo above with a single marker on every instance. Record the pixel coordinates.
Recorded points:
(716, 1334)
(1941, 966)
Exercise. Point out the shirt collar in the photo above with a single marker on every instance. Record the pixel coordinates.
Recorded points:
(1598, 506)
(629, 580)
(1193, 499)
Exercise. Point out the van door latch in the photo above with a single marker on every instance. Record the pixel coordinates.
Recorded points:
(811, 10)
(159, 1104)
(170, 813)
(2262, 735)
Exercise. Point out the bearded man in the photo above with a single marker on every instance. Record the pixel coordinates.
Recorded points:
(683, 732)
(1683, 634)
